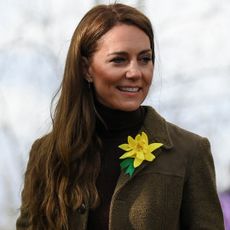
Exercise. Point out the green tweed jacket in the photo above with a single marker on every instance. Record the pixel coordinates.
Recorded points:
(177, 191)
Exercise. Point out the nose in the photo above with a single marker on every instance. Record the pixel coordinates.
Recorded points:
(133, 72)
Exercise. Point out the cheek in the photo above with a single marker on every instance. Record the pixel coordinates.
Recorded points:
(149, 77)
(103, 82)
(106, 78)
(104, 86)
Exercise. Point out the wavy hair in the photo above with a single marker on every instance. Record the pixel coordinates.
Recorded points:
(64, 165)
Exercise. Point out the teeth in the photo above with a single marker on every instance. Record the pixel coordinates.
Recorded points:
(129, 89)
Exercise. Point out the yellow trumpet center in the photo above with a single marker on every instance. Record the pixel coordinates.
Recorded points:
(139, 147)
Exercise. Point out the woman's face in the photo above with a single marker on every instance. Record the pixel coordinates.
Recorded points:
(121, 69)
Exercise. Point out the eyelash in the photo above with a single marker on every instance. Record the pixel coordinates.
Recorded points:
(119, 60)
(146, 59)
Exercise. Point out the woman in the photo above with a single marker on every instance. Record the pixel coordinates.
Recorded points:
(110, 163)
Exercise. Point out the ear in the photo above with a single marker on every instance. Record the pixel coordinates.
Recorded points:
(85, 68)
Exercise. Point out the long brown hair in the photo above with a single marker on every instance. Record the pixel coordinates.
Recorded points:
(64, 165)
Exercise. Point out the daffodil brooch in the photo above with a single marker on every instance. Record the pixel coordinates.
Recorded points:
(137, 150)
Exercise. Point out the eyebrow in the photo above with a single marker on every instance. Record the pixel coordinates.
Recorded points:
(125, 53)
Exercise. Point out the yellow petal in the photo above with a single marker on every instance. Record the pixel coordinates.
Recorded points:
(125, 147)
(137, 162)
(131, 142)
(140, 155)
(127, 154)
(154, 146)
(145, 138)
(138, 138)
(149, 157)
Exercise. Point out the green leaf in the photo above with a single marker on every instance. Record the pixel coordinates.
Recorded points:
(130, 170)
(127, 165)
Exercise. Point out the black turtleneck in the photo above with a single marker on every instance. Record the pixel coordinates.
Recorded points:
(116, 127)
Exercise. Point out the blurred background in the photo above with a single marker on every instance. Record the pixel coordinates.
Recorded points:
(190, 88)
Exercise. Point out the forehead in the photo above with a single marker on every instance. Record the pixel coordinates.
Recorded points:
(122, 37)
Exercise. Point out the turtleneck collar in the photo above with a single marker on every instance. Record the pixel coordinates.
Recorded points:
(117, 120)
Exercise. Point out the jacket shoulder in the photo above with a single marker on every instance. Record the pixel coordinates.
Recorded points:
(181, 148)
(167, 130)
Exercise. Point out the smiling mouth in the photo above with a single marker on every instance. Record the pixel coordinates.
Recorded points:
(129, 89)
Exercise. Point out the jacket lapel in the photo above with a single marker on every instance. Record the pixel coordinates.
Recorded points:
(156, 128)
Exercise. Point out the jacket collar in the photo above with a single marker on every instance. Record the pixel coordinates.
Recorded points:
(157, 130)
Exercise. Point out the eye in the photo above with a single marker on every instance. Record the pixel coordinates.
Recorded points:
(145, 59)
(118, 60)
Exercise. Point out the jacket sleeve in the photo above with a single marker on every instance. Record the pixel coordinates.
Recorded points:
(200, 204)
(22, 222)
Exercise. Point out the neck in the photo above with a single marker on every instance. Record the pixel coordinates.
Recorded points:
(113, 120)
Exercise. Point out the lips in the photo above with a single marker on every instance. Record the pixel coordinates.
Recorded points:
(129, 89)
